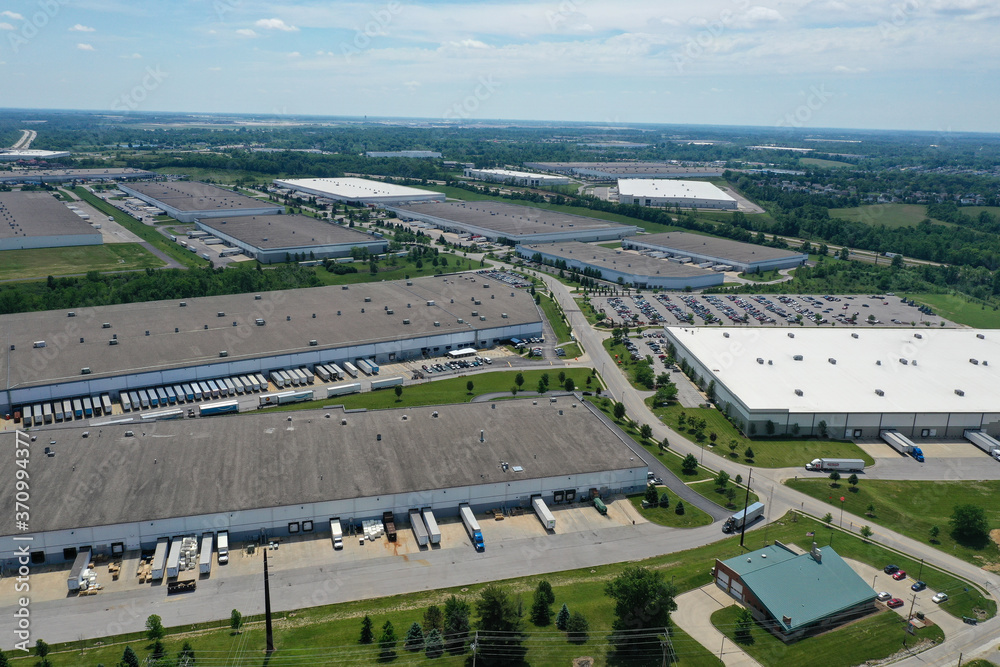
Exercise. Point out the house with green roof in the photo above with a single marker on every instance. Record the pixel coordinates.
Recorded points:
(793, 593)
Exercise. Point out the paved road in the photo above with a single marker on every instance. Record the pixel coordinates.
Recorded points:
(693, 616)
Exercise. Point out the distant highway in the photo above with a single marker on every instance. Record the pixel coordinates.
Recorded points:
(24, 143)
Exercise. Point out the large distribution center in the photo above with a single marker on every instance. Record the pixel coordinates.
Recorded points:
(668, 192)
(623, 267)
(188, 201)
(849, 383)
(39, 220)
(740, 256)
(517, 224)
(276, 238)
(515, 177)
(413, 154)
(66, 353)
(272, 474)
(359, 190)
(609, 171)
(68, 175)
(18, 154)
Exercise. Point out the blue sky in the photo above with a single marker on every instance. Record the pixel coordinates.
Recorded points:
(907, 64)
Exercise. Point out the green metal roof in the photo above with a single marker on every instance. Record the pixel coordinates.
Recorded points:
(799, 587)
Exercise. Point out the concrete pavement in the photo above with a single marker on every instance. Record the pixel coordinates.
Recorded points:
(693, 616)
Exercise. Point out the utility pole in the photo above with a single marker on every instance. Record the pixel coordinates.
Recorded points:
(267, 609)
(746, 502)
(912, 602)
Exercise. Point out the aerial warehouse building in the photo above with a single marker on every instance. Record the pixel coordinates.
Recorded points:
(39, 220)
(359, 191)
(744, 257)
(512, 177)
(189, 201)
(669, 193)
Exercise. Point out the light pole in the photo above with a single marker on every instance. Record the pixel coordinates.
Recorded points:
(873, 580)
(842, 511)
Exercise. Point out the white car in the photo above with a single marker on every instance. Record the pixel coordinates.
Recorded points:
(883, 597)
(939, 598)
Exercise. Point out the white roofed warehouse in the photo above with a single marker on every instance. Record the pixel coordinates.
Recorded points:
(856, 383)
(669, 192)
(625, 268)
(523, 178)
(745, 257)
(359, 190)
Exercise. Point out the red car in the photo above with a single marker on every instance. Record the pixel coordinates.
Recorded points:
(893, 603)
(899, 576)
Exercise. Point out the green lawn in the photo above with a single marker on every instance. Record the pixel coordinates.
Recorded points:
(554, 315)
(613, 244)
(820, 162)
(776, 453)
(450, 390)
(156, 239)
(667, 516)
(871, 638)
(572, 350)
(42, 262)
(960, 310)
(404, 268)
(912, 508)
(709, 490)
(890, 215)
(625, 363)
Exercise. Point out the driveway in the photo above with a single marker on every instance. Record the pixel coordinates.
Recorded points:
(694, 611)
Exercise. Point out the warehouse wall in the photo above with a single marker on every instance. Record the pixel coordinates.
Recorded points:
(55, 241)
(709, 279)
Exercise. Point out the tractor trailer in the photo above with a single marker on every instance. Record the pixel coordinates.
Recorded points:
(849, 465)
(472, 527)
(743, 517)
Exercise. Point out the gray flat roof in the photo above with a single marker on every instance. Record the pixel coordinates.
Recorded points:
(255, 460)
(709, 245)
(195, 196)
(193, 345)
(82, 174)
(39, 214)
(509, 219)
(618, 260)
(286, 231)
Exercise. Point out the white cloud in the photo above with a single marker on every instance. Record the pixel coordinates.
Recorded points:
(85, 47)
(470, 44)
(294, 54)
(412, 85)
(6, 26)
(12, 15)
(79, 27)
(844, 69)
(131, 56)
(214, 69)
(246, 32)
(275, 24)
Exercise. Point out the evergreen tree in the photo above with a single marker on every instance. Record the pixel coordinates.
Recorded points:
(367, 635)
(433, 645)
(651, 496)
(186, 656)
(414, 638)
(545, 588)
(456, 624)
(541, 614)
(387, 642)
(129, 658)
(577, 628)
(433, 619)
(562, 618)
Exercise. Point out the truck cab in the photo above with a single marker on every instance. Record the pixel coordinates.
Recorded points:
(918, 454)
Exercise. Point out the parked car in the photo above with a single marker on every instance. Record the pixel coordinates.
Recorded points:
(883, 597)
(893, 603)
(891, 569)
(918, 586)
(899, 575)
(939, 598)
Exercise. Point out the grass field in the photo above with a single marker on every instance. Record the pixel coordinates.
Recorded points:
(768, 453)
(912, 508)
(148, 234)
(960, 310)
(554, 315)
(224, 176)
(708, 489)
(668, 516)
(890, 215)
(873, 638)
(328, 635)
(625, 363)
(820, 162)
(404, 268)
(572, 350)
(42, 262)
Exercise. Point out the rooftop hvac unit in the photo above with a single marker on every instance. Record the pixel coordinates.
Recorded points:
(256, 297)
(220, 314)
(183, 304)
(113, 341)
(430, 303)
(482, 318)
(878, 362)
(854, 335)
(760, 361)
(461, 321)
(343, 287)
(260, 321)
(408, 321)
(791, 335)
(725, 334)
(797, 357)
(974, 362)
(313, 343)
(389, 311)
(916, 335)
(39, 343)
(85, 371)
(437, 324)
(914, 362)
(904, 362)
(223, 353)
(832, 361)
(475, 313)
(798, 392)
(106, 325)
(879, 392)
(980, 336)
(960, 392)
(503, 315)
(368, 299)
(72, 314)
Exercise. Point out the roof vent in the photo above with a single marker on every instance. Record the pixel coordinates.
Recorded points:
(106, 325)
(791, 335)
(979, 336)
(960, 392)
(832, 361)
(184, 304)
(974, 362)
(879, 392)
(798, 392)
(313, 343)
(914, 362)
(904, 362)
(878, 362)
(223, 353)
(916, 335)
(343, 422)
(434, 414)
(206, 328)
(797, 357)
(288, 318)
(854, 335)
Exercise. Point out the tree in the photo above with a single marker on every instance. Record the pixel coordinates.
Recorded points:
(646, 431)
(822, 428)
(129, 658)
(235, 620)
(969, 525)
(414, 638)
(433, 618)
(545, 588)
(570, 384)
(845, 254)
(456, 624)
(733, 444)
(834, 479)
(722, 479)
(3, 660)
(689, 465)
(748, 454)
(681, 419)
(433, 645)
(519, 379)
(866, 531)
(541, 613)
(185, 658)
(853, 481)
(154, 628)
(542, 387)
(744, 626)
(935, 531)
(500, 627)
(651, 497)
(664, 500)
(828, 518)
(469, 386)
(562, 618)
(387, 642)
(367, 634)
(619, 410)
(399, 392)
(731, 496)
(42, 650)
(577, 628)
(870, 510)
(665, 394)
(679, 508)
(643, 601)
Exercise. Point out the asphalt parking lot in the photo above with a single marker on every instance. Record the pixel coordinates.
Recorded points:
(852, 310)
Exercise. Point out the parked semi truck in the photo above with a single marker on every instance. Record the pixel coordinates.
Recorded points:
(984, 441)
(543, 513)
(472, 527)
(160, 558)
(342, 389)
(205, 557)
(433, 532)
(223, 547)
(337, 533)
(743, 517)
(220, 408)
(363, 366)
(350, 369)
(419, 529)
(849, 465)
(77, 574)
(387, 382)
(389, 521)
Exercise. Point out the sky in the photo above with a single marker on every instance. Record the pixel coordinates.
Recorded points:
(907, 64)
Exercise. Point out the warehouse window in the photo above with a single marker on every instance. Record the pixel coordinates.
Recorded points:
(293, 527)
(307, 526)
